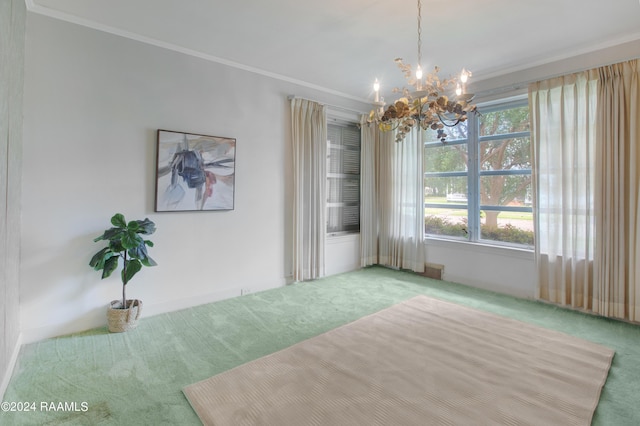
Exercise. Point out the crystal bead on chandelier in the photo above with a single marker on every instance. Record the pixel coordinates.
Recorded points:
(426, 105)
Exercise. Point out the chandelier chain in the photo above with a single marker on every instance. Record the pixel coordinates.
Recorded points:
(419, 33)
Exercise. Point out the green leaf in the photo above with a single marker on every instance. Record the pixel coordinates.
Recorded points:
(148, 261)
(138, 252)
(132, 268)
(109, 234)
(116, 246)
(109, 266)
(97, 261)
(112, 233)
(146, 227)
(133, 225)
(149, 243)
(130, 240)
(118, 220)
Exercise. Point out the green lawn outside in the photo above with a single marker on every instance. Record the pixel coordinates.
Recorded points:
(463, 213)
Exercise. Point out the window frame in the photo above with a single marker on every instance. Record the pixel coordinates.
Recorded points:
(474, 174)
(343, 123)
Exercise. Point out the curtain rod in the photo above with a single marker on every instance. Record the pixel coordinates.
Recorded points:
(290, 97)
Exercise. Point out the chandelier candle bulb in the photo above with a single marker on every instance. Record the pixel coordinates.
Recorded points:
(464, 77)
(376, 88)
(419, 78)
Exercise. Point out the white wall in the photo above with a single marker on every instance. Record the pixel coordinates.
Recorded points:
(508, 271)
(342, 254)
(93, 103)
(489, 267)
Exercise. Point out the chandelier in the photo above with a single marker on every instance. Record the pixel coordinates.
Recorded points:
(426, 105)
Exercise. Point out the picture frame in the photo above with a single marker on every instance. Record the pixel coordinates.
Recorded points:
(194, 172)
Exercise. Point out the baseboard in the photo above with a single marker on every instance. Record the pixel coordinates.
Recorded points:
(98, 318)
(12, 365)
(33, 335)
(188, 302)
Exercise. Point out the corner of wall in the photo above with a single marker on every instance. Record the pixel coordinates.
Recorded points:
(13, 30)
(10, 367)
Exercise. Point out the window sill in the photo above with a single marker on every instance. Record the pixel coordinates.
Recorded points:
(517, 252)
(338, 237)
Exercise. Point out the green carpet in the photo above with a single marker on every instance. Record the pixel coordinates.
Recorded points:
(137, 377)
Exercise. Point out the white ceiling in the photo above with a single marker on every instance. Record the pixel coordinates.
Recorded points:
(343, 45)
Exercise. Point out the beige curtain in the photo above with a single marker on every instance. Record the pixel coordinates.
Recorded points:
(309, 137)
(586, 161)
(563, 134)
(617, 270)
(369, 164)
(401, 201)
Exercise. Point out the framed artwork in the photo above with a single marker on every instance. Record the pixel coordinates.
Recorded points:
(194, 172)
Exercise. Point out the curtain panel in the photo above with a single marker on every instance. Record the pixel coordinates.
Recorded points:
(369, 186)
(401, 201)
(617, 271)
(309, 139)
(586, 165)
(563, 118)
(392, 200)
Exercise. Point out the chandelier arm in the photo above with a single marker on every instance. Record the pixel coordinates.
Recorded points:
(442, 120)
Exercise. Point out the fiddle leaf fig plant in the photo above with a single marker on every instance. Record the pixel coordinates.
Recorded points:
(124, 243)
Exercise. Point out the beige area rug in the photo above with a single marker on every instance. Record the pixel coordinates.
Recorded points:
(420, 362)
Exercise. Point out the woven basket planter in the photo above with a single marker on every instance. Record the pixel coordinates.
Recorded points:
(119, 320)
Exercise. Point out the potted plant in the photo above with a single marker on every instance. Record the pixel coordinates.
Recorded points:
(126, 244)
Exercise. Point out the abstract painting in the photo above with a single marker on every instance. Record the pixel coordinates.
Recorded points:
(194, 172)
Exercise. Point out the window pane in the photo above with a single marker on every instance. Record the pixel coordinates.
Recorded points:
(343, 218)
(343, 190)
(351, 161)
(449, 222)
(446, 158)
(446, 206)
(506, 154)
(510, 120)
(334, 159)
(351, 154)
(443, 190)
(507, 227)
(504, 190)
(343, 161)
(458, 132)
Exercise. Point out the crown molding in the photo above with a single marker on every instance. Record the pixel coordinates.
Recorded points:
(561, 57)
(62, 16)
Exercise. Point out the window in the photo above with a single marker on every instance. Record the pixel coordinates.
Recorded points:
(343, 179)
(478, 183)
